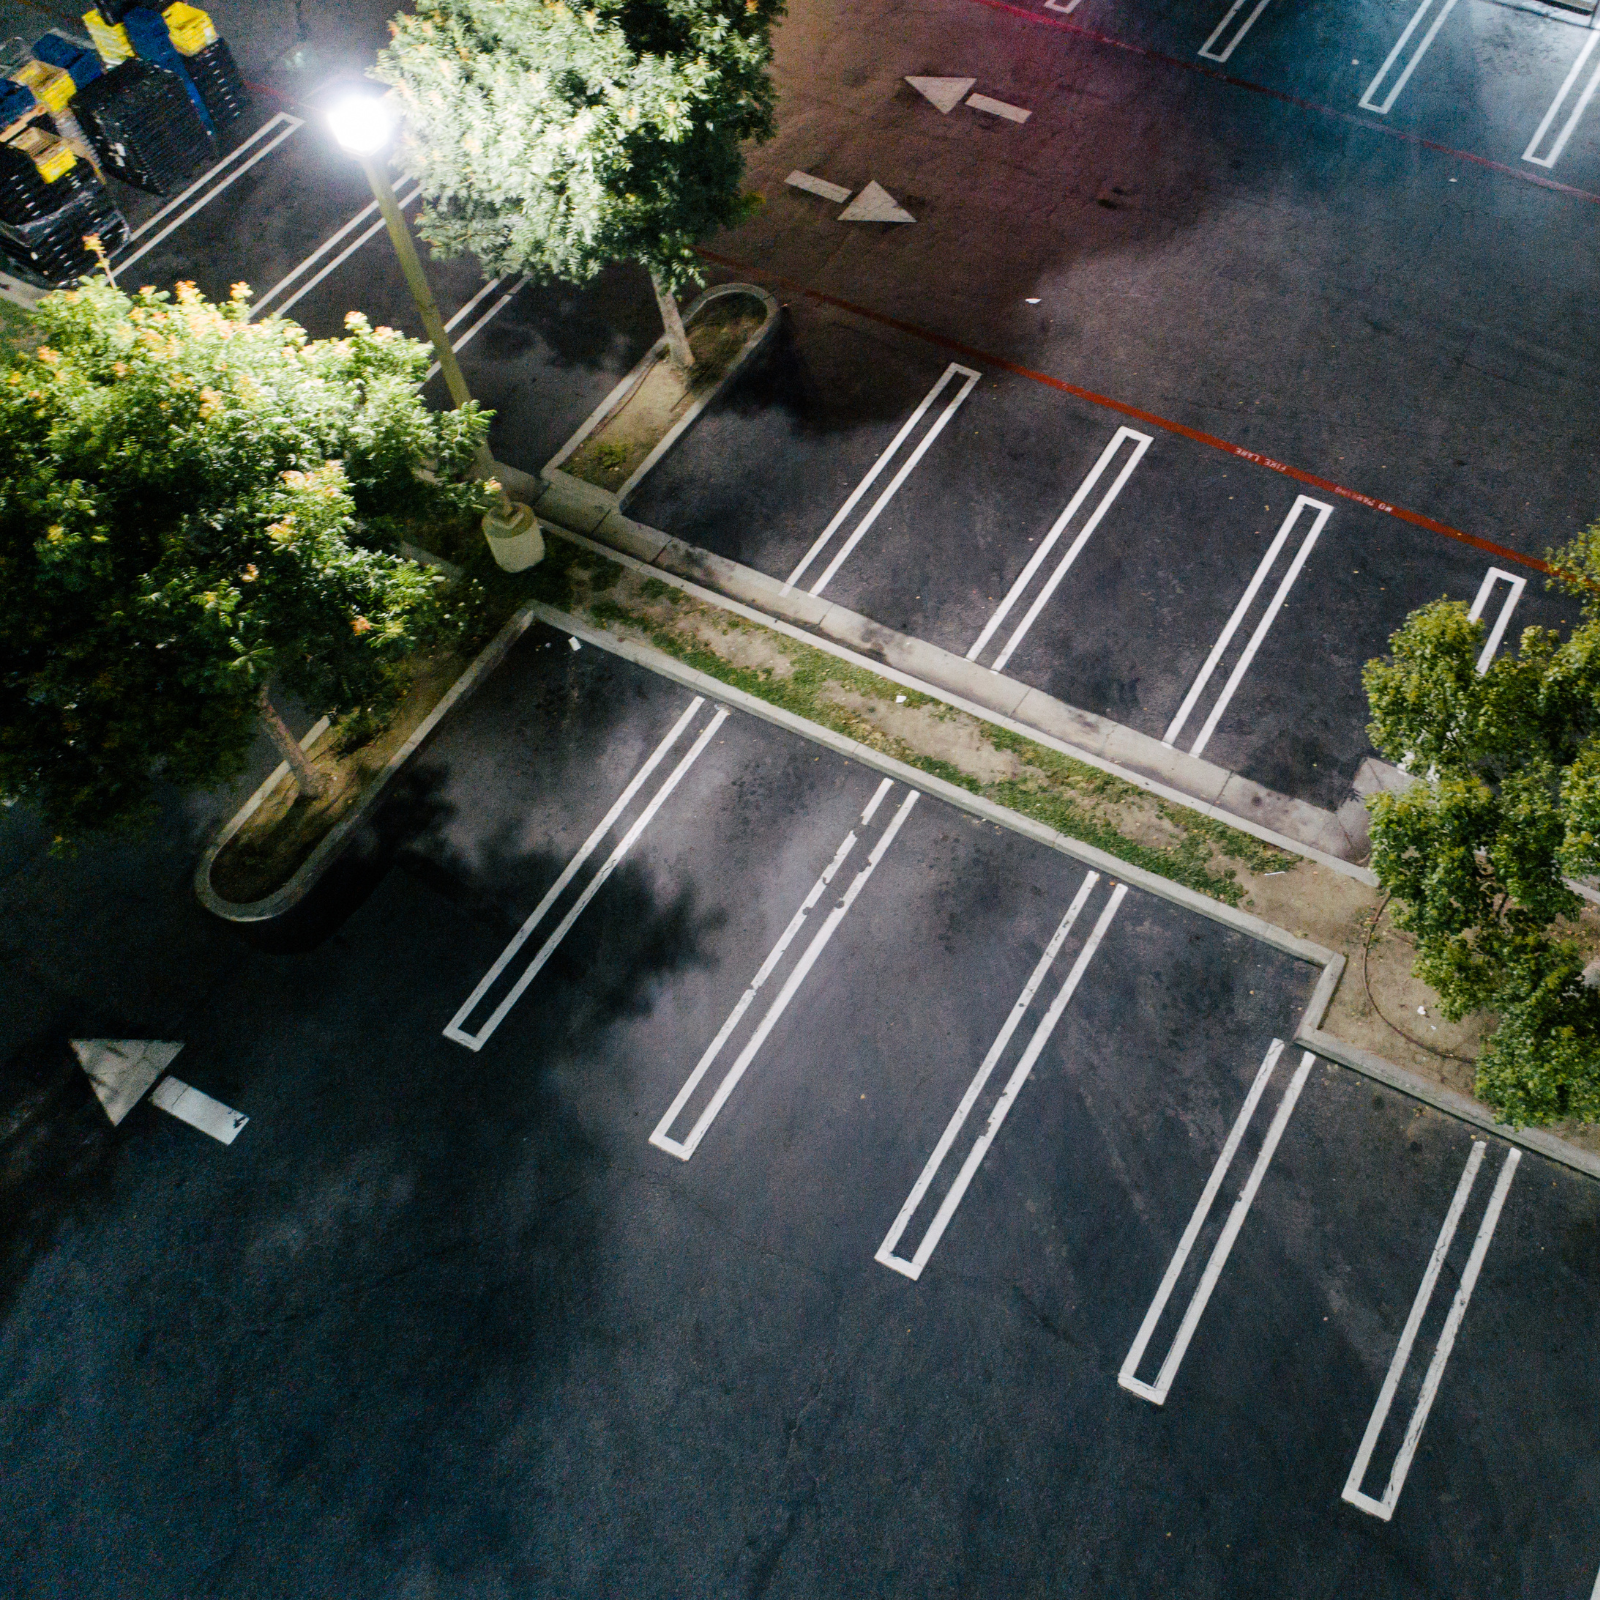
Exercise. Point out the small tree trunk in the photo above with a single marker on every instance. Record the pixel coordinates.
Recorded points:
(308, 780)
(672, 321)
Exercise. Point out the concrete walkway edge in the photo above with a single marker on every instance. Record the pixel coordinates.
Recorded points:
(1145, 763)
(1309, 1035)
(333, 842)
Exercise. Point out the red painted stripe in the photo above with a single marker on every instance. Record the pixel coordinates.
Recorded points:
(1316, 106)
(277, 94)
(989, 359)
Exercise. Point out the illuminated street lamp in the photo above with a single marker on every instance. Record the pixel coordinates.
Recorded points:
(363, 126)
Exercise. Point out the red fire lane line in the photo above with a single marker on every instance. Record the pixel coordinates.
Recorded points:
(988, 358)
(1063, 26)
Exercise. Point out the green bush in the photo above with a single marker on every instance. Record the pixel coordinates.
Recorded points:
(192, 505)
(1477, 854)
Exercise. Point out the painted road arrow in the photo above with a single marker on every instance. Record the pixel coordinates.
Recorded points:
(946, 93)
(122, 1070)
(875, 204)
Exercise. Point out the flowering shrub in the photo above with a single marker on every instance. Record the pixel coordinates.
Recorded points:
(192, 504)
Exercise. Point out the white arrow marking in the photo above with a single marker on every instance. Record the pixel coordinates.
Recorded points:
(946, 93)
(875, 204)
(998, 108)
(828, 191)
(187, 1104)
(122, 1070)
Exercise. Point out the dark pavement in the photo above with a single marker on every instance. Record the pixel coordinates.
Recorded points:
(444, 1322)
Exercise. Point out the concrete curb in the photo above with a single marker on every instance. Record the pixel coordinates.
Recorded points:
(1000, 700)
(1309, 1034)
(339, 836)
(552, 471)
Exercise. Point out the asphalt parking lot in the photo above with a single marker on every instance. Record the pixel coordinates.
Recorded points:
(470, 1309)
(1389, 301)
(696, 1165)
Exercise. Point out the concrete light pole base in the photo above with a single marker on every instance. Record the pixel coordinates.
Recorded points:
(514, 539)
(518, 484)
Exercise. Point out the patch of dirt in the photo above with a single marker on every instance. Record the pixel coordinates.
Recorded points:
(267, 851)
(644, 416)
(933, 730)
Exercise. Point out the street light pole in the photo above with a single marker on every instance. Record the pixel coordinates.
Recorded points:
(362, 125)
(416, 280)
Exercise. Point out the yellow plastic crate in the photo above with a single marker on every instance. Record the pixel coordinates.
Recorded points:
(189, 28)
(50, 155)
(52, 86)
(111, 40)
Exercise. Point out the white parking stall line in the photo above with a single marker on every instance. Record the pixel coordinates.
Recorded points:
(1366, 102)
(1141, 442)
(1157, 1392)
(365, 214)
(1263, 627)
(1208, 49)
(475, 1041)
(404, 195)
(188, 1104)
(1384, 1508)
(483, 321)
(1595, 1593)
(947, 377)
(1553, 154)
(912, 1267)
(282, 124)
(685, 1148)
(1498, 632)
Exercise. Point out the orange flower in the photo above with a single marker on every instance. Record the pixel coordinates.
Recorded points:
(361, 625)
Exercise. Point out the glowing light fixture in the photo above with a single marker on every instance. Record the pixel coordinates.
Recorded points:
(361, 123)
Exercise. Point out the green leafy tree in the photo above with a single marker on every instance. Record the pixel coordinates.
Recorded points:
(554, 139)
(193, 505)
(1478, 853)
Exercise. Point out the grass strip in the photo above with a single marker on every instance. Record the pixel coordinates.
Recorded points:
(1069, 796)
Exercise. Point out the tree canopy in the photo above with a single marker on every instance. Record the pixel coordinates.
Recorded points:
(1506, 810)
(193, 504)
(555, 139)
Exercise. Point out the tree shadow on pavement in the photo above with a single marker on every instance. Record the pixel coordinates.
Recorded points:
(352, 1315)
(58, 1153)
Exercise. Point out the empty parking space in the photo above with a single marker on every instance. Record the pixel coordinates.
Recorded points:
(1138, 575)
(1297, 719)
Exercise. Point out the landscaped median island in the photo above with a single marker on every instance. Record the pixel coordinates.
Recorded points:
(1379, 1007)
(288, 824)
(646, 413)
